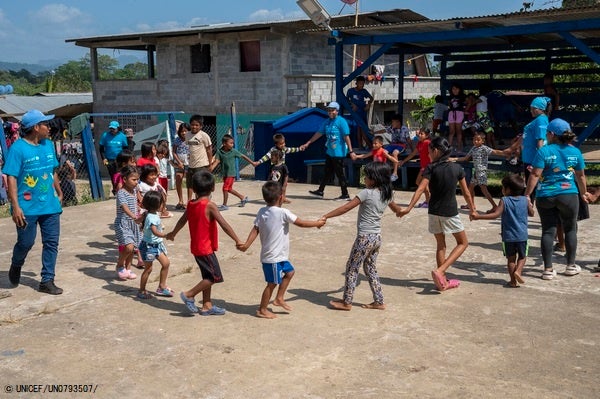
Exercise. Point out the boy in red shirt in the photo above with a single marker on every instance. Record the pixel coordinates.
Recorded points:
(422, 150)
(203, 216)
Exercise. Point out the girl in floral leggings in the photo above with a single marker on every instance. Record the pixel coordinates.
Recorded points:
(371, 201)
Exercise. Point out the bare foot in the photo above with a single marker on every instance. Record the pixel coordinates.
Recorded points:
(519, 278)
(265, 314)
(282, 304)
(373, 305)
(339, 305)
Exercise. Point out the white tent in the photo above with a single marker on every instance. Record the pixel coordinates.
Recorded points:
(154, 134)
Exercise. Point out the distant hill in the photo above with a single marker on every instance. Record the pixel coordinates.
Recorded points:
(32, 68)
(48, 65)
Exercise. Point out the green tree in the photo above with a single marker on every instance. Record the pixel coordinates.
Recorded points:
(137, 70)
(424, 112)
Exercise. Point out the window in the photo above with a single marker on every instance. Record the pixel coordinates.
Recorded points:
(200, 54)
(250, 56)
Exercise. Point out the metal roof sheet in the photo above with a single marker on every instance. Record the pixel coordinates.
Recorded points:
(16, 106)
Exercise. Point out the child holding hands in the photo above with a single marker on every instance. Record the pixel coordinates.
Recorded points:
(203, 216)
(272, 225)
(513, 208)
(442, 176)
(152, 247)
(371, 201)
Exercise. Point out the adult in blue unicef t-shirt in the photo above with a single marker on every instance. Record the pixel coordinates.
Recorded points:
(337, 147)
(35, 196)
(560, 180)
(111, 144)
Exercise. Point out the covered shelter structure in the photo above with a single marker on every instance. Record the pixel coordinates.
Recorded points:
(510, 52)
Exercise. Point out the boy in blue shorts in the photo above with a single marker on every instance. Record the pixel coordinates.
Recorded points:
(513, 209)
(272, 224)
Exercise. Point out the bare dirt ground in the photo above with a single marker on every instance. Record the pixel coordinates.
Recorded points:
(480, 340)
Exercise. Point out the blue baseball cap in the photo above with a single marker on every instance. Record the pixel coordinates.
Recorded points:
(33, 117)
(541, 103)
(558, 126)
(113, 125)
(333, 105)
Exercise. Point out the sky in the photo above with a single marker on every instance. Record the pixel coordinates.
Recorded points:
(34, 31)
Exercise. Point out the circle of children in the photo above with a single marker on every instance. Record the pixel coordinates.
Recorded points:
(141, 198)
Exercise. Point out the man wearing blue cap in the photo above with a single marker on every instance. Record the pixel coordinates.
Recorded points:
(337, 147)
(111, 144)
(35, 197)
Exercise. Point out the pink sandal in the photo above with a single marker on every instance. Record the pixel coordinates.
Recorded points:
(452, 284)
(439, 281)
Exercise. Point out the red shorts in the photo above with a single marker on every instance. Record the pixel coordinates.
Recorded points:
(228, 183)
(164, 183)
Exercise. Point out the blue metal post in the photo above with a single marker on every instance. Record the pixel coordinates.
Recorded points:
(235, 140)
(91, 162)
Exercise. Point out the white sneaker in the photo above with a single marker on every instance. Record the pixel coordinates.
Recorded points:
(393, 178)
(572, 270)
(548, 274)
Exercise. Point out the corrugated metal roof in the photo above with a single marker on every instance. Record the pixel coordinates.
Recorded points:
(515, 19)
(62, 104)
(337, 22)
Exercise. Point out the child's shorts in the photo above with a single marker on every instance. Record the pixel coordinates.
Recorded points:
(520, 248)
(209, 267)
(274, 272)
(151, 251)
(445, 225)
(456, 116)
(479, 177)
(228, 183)
(395, 147)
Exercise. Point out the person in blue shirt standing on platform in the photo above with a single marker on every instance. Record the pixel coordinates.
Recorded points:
(111, 144)
(337, 148)
(35, 196)
(358, 100)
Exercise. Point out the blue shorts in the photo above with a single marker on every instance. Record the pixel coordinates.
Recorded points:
(151, 251)
(274, 272)
(520, 248)
(390, 148)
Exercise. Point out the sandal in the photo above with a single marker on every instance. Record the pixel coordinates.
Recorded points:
(452, 284)
(214, 311)
(180, 207)
(439, 281)
(144, 295)
(189, 303)
(464, 207)
(164, 291)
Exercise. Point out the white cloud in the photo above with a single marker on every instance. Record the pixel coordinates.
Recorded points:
(273, 15)
(57, 14)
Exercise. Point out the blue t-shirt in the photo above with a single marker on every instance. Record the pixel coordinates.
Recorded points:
(335, 130)
(558, 161)
(514, 219)
(33, 167)
(533, 131)
(113, 144)
(358, 98)
(152, 219)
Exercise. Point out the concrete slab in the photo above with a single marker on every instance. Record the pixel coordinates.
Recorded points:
(481, 340)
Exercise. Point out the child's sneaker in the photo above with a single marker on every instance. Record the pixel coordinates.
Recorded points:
(393, 178)
(223, 208)
(244, 202)
(122, 273)
(423, 204)
(132, 275)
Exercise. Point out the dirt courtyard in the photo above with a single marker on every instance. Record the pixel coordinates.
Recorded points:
(480, 340)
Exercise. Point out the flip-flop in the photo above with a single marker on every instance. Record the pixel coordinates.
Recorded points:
(378, 306)
(452, 284)
(438, 280)
(214, 311)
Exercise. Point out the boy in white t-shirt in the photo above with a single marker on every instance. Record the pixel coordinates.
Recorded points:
(272, 224)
